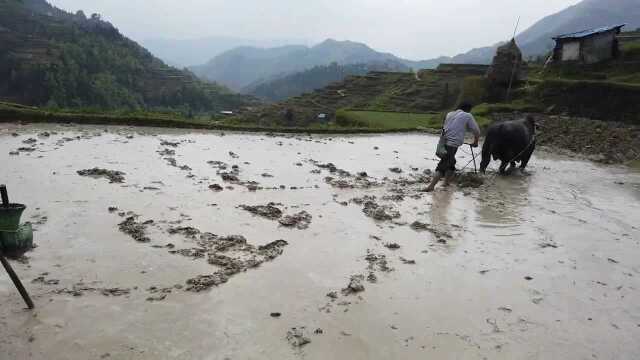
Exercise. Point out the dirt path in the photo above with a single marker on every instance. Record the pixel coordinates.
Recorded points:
(312, 247)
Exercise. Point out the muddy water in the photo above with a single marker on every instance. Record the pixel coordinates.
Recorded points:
(544, 265)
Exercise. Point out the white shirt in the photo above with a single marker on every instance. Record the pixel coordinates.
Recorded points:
(456, 125)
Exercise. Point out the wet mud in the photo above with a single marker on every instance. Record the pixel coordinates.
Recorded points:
(333, 237)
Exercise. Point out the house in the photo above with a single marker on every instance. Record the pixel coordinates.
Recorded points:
(588, 46)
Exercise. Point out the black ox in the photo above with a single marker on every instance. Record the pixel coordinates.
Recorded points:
(510, 142)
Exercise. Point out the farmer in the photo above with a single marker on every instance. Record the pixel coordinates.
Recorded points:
(456, 124)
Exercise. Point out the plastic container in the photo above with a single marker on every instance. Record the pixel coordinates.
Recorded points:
(10, 216)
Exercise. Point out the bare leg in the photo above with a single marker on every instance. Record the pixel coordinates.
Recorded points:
(448, 177)
(434, 182)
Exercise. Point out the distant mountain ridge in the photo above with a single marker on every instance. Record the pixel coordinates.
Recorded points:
(244, 66)
(191, 52)
(537, 39)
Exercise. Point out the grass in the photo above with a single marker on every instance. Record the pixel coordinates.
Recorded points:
(10, 112)
(347, 121)
(387, 120)
(634, 164)
(395, 121)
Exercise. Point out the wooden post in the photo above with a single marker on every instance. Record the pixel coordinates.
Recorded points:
(16, 281)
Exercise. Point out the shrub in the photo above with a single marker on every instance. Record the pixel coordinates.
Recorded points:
(345, 119)
(474, 89)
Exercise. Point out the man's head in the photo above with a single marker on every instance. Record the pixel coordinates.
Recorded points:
(465, 106)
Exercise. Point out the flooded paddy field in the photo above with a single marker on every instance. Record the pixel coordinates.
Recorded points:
(162, 244)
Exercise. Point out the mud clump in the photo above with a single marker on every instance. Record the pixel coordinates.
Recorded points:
(166, 152)
(216, 187)
(113, 175)
(170, 143)
(470, 180)
(296, 337)
(407, 261)
(205, 282)
(269, 211)
(273, 249)
(137, 230)
(187, 231)
(234, 255)
(418, 226)
(26, 149)
(230, 177)
(220, 165)
(194, 253)
(377, 262)
(332, 168)
(43, 280)
(115, 292)
(362, 200)
(301, 220)
(392, 246)
(351, 183)
(355, 285)
(438, 233)
(380, 212)
(80, 288)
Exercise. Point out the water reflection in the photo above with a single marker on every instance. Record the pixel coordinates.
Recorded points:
(441, 206)
(500, 203)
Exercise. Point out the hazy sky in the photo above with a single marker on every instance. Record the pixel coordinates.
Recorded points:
(415, 29)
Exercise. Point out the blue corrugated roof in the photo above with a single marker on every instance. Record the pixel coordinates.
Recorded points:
(585, 33)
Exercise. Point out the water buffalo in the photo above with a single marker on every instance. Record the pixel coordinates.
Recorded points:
(509, 142)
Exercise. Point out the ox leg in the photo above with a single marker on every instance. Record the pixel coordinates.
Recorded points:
(503, 166)
(527, 156)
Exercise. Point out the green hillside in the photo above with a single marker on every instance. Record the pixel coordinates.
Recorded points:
(316, 78)
(52, 58)
(429, 91)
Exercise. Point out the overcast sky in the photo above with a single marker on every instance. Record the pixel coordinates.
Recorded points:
(414, 29)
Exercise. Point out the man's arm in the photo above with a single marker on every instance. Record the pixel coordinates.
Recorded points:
(475, 129)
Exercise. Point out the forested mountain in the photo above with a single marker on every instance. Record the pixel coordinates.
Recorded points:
(316, 78)
(537, 40)
(244, 66)
(54, 58)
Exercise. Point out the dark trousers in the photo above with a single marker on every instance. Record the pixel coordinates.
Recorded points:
(448, 162)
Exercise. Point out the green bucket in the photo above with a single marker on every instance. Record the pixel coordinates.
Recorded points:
(10, 217)
(17, 242)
